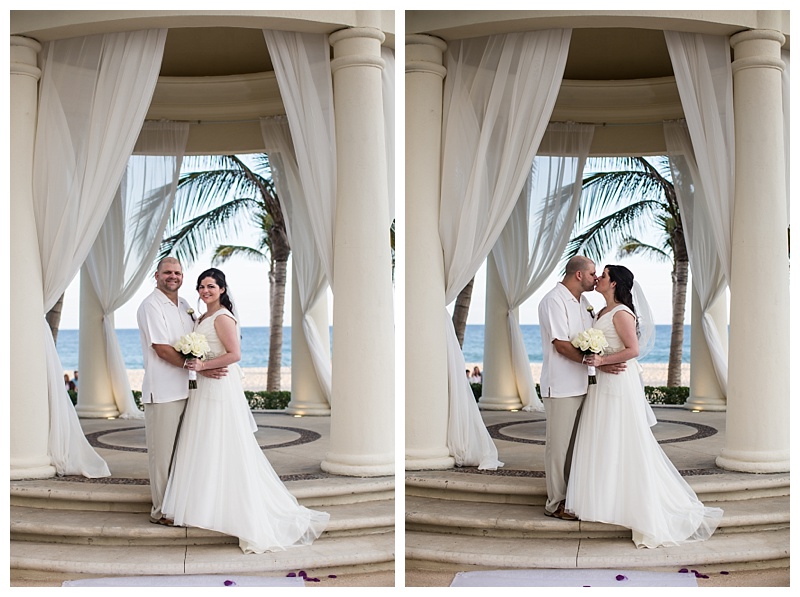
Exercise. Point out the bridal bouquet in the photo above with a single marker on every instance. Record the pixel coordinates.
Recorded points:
(196, 345)
(591, 341)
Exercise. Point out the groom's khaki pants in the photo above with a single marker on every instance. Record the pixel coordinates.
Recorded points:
(162, 422)
(563, 415)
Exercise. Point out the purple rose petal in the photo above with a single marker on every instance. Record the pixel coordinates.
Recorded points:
(302, 574)
(683, 571)
(621, 577)
(229, 583)
(334, 576)
(291, 575)
(724, 572)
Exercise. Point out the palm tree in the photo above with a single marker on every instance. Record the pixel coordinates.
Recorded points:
(639, 191)
(461, 311)
(226, 192)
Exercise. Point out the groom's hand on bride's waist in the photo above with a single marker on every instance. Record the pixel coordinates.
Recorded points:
(214, 373)
(615, 368)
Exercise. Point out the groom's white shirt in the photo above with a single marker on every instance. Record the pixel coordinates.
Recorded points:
(163, 322)
(562, 317)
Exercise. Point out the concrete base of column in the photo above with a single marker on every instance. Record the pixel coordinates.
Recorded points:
(349, 465)
(94, 412)
(500, 403)
(418, 460)
(31, 469)
(754, 462)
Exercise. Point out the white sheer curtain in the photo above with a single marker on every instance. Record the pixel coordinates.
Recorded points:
(498, 97)
(539, 228)
(302, 67)
(123, 253)
(707, 273)
(388, 114)
(308, 267)
(94, 94)
(702, 67)
(786, 126)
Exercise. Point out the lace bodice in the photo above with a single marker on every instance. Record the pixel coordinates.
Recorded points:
(606, 323)
(206, 327)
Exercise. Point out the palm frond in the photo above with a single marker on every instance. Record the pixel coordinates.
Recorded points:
(612, 229)
(223, 178)
(633, 246)
(203, 230)
(224, 252)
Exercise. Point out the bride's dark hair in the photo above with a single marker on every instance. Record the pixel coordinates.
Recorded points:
(623, 290)
(219, 278)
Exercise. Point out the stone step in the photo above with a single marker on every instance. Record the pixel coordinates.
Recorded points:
(47, 525)
(329, 555)
(126, 497)
(735, 551)
(501, 487)
(524, 521)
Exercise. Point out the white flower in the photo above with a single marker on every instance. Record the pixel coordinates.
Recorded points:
(591, 340)
(194, 344)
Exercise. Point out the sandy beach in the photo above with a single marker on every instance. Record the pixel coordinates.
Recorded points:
(655, 374)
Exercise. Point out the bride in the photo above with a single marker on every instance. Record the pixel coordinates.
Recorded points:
(220, 480)
(620, 475)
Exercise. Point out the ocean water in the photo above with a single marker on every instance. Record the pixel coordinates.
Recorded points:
(255, 346)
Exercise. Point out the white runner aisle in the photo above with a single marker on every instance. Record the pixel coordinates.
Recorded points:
(199, 580)
(572, 578)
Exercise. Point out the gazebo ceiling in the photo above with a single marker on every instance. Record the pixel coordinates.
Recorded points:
(214, 52)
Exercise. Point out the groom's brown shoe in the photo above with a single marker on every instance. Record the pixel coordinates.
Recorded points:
(162, 521)
(561, 513)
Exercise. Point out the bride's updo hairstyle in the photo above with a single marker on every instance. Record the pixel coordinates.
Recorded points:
(623, 290)
(219, 278)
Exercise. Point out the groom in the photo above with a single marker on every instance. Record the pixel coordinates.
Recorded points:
(563, 313)
(163, 318)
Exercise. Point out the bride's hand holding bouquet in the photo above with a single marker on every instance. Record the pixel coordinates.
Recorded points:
(592, 343)
(195, 346)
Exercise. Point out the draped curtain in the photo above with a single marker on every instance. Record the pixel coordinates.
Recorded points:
(308, 266)
(94, 94)
(498, 97)
(388, 84)
(702, 66)
(786, 125)
(302, 67)
(708, 276)
(123, 254)
(539, 228)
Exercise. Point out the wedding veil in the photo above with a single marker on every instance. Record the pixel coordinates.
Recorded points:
(647, 327)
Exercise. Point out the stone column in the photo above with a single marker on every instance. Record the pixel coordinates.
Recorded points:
(499, 383)
(95, 392)
(426, 397)
(362, 417)
(705, 392)
(29, 410)
(308, 397)
(757, 432)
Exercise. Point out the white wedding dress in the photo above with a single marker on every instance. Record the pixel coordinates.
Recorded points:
(620, 475)
(220, 479)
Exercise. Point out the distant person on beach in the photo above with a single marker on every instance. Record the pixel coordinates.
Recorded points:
(476, 376)
(619, 474)
(563, 313)
(75, 380)
(163, 318)
(220, 479)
